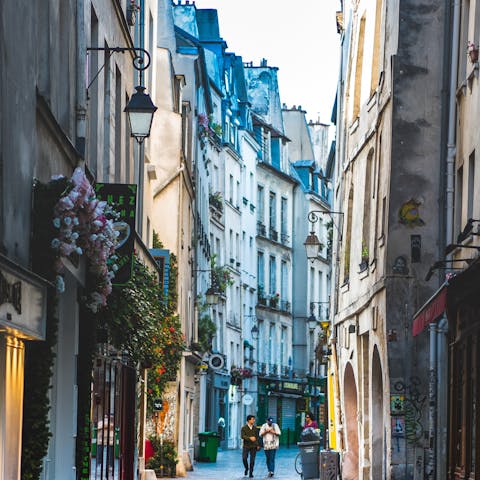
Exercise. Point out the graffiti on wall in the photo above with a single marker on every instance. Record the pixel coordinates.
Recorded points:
(409, 213)
(407, 406)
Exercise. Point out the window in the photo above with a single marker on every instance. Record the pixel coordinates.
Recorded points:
(283, 350)
(238, 195)
(312, 285)
(459, 201)
(376, 47)
(275, 149)
(271, 344)
(367, 208)
(471, 185)
(260, 204)
(284, 219)
(237, 247)
(118, 127)
(359, 69)
(230, 193)
(272, 211)
(261, 272)
(348, 238)
(273, 275)
(284, 281)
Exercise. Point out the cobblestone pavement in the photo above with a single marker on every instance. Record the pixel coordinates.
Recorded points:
(229, 466)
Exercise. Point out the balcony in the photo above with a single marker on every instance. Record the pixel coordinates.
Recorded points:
(261, 300)
(285, 306)
(261, 229)
(262, 369)
(273, 369)
(273, 235)
(285, 239)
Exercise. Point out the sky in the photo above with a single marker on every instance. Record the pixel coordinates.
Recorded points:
(297, 36)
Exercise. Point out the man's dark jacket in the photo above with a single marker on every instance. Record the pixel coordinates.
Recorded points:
(247, 432)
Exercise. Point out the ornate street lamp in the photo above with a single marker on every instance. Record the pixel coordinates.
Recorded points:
(140, 108)
(211, 296)
(254, 332)
(313, 246)
(312, 322)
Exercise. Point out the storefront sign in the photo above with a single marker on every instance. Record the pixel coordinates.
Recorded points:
(123, 197)
(22, 301)
(291, 386)
(221, 381)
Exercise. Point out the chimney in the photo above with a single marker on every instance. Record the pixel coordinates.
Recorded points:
(263, 62)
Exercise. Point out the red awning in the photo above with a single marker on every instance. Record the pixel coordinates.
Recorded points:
(430, 311)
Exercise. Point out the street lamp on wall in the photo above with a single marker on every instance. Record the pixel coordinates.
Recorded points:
(313, 245)
(211, 296)
(140, 108)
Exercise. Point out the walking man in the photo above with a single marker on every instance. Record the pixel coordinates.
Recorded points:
(249, 434)
(270, 432)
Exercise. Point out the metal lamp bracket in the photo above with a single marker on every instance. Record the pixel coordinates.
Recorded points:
(141, 59)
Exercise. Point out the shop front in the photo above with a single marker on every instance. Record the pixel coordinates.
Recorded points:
(22, 318)
(286, 402)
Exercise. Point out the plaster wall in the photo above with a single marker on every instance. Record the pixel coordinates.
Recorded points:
(400, 124)
(296, 129)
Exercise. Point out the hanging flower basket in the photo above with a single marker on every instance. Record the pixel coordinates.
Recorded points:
(84, 226)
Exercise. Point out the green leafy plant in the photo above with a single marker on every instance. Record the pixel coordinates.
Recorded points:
(140, 323)
(206, 326)
(215, 199)
(365, 255)
(221, 276)
(165, 457)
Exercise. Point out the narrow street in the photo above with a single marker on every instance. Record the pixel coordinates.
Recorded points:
(229, 466)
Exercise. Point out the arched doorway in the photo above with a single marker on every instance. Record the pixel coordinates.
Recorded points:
(350, 464)
(377, 459)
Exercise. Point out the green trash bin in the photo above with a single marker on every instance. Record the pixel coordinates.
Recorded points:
(209, 442)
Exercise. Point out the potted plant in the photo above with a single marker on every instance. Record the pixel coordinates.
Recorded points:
(164, 460)
(216, 201)
(472, 51)
(237, 374)
(365, 257)
(274, 300)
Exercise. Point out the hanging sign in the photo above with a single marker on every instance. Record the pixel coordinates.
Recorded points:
(123, 197)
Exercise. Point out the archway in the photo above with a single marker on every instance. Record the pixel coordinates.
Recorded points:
(350, 464)
(377, 460)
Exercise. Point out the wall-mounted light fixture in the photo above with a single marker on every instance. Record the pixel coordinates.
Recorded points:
(254, 331)
(211, 296)
(467, 230)
(140, 108)
(452, 246)
(441, 265)
(313, 245)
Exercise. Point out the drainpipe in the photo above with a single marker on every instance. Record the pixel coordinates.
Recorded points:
(81, 91)
(451, 146)
(432, 401)
(442, 395)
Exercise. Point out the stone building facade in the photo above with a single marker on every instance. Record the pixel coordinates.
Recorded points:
(388, 186)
